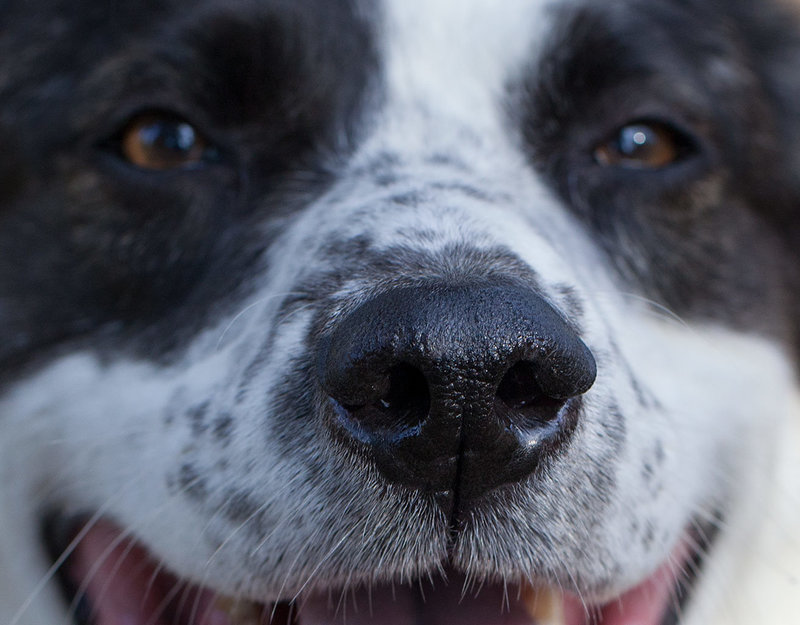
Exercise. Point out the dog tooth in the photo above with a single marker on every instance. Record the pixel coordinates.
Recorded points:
(239, 611)
(544, 605)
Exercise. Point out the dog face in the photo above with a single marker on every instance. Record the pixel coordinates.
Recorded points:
(305, 300)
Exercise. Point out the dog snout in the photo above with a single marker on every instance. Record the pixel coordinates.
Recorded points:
(455, 388)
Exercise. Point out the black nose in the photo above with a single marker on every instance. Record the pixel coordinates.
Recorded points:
(455, 387)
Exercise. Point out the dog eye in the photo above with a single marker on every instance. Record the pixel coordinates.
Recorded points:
(162, 141)
(644, 145)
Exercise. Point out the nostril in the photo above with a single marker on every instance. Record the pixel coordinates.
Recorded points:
(518, 388)
(520, 399)
(408, 391)
(401, 401)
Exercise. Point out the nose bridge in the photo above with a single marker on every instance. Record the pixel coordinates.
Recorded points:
(458, 57)
(451, 183)
(421, 166)
(414, 148)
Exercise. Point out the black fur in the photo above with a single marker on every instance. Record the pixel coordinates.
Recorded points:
(90, 242)
(707, 236)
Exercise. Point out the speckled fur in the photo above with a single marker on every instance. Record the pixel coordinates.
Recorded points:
(191, 413)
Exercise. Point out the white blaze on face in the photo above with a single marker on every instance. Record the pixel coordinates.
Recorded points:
(455, 55)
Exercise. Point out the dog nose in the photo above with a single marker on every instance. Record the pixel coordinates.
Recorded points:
(455, 387)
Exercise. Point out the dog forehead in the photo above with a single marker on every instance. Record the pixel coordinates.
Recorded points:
(457, 55)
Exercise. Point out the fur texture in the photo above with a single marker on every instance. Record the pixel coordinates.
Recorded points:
(162, 328)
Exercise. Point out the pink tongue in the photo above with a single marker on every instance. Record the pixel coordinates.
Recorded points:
(408, 606)
(125, 587)
(647, 603)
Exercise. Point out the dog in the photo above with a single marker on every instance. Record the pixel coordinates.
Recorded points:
(336, 311)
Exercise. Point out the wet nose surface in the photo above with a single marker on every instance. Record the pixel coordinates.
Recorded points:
(455, 387)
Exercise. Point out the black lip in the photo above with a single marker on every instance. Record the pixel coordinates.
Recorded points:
(703, 536)
(56, 533)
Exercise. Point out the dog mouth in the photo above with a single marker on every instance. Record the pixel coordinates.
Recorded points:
(111, 579)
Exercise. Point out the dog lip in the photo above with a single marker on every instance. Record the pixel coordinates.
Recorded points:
(124, 584)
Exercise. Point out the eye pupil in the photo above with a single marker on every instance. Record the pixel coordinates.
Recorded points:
(634, 141)
(178, 137)
(162, 142)
(642, 146)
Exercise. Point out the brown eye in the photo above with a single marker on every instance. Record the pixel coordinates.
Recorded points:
(160, 141)
(645, 145)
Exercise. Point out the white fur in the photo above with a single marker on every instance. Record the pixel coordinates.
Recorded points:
(453, 57)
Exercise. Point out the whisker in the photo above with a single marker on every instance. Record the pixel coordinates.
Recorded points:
(67, 552)
(249, 307)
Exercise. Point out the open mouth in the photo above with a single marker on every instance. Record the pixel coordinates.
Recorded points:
(110, 579)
